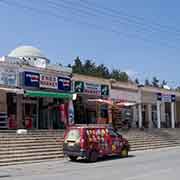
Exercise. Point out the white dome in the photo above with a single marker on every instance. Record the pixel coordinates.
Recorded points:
(26, 51)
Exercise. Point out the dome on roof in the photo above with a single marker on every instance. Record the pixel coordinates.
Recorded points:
(26, 51)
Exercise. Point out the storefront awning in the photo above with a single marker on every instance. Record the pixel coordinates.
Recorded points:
(49, 94)
(12, 90)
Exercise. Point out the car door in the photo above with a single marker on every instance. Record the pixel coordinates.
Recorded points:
(113, 141)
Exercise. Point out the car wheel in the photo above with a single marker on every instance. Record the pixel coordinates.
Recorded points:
(93, 156)
(73, 158)
(124, 152)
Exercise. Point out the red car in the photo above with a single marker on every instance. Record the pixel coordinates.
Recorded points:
(91, 142)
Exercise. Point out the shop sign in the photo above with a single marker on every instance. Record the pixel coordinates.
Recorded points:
(166, 97)
(124, 96)
(94, 89)
(31, 79)
(64, 83)
(48, 81)
(104, 90)
(8, 77)
(79, 86)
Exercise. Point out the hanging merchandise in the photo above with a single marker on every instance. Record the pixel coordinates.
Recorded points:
(70, 113)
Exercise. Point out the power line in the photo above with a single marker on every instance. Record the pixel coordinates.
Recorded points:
(60, 5)
(47, 12)
(140, 20)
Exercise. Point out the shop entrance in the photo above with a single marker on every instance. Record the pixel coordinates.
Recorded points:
(53, 113)
(88, 110)
(30, 113)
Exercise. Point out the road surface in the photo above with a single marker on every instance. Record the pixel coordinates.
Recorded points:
(161, 164)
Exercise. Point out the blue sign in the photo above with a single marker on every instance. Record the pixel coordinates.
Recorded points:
(173, 98)
(31, 79)
(159, 96)
(64, 83)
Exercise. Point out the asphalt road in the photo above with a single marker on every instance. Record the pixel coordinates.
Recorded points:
(152, 165)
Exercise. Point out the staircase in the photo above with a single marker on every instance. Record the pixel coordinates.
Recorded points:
(152, 138)
(44, 145)
(33, 147)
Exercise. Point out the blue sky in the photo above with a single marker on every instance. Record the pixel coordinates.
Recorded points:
(145, 45)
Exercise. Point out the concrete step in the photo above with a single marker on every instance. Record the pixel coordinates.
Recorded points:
(152, 147)
(150, 141)
(20, 152)
(28, 144)
(6, 149)
(30, 141)
(29, 155)
(155, 142)
(22, 160)
(152, 144)
(29, 138)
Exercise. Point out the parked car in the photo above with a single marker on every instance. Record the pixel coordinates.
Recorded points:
(91, 142)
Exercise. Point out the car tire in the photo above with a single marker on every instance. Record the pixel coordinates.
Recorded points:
(93, 156)
(124, 152)
(73, 158)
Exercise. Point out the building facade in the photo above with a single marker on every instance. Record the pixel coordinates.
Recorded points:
(37, 94)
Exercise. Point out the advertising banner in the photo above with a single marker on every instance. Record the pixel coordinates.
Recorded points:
(94, 89)
(166, 97)
(31, 79)
(64, 83)
(8, 76)
(48, 81)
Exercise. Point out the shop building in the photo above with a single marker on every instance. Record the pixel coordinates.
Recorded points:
(159, 108)
(46, 98)
(126, 98)
(90, 106)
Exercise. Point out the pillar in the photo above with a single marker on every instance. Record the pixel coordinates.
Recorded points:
(19, 111)
(150, 116)
(163, 113)
(140, 115)
(135, 118)
(158, 115)
(172, 115)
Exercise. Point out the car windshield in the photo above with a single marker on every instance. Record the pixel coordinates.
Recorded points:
(73, 134)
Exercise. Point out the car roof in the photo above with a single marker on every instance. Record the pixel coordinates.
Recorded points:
(91, 126)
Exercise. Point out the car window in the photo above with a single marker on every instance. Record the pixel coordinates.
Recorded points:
(73, 134)
(112, 133)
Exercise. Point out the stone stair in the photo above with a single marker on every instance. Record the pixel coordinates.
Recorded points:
(37, 146)
(32, 147)
(152, 138)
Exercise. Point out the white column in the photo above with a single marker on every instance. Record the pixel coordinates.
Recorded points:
(140, 115)
(158, 115)
(150, 116)
(172, 115)
(135, 118)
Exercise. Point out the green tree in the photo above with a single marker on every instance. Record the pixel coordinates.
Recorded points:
(119, 76)
(77, 67)
(89, 68)
(102, 71)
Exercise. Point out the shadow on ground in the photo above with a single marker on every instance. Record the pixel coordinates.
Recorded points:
(106, 158)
